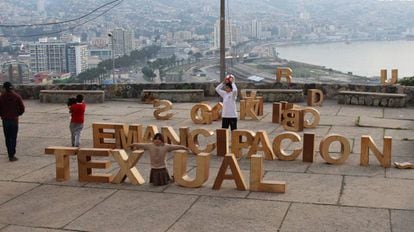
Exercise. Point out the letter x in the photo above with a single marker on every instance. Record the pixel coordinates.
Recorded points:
(127, 166)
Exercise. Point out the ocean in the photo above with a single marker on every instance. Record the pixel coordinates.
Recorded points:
(364, 58)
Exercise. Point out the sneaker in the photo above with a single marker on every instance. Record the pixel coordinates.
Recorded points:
(12, 159)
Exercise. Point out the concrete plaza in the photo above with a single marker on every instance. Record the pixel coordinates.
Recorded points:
(318, 197)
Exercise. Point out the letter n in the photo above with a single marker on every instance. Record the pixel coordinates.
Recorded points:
(368, 144)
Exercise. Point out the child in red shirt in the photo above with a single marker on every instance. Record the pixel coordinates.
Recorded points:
(77, 111)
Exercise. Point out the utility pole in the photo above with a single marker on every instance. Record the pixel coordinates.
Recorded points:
(113, 57)
(222, 40)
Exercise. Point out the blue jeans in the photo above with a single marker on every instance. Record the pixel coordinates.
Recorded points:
(10, 128)
(75, 132)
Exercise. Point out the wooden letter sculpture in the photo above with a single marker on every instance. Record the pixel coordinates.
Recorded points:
(394, 77)
(216, 111)
(236, 174)
(279, 152)
(62, 160)
(284, 72)
(171, 137)
(85, 165)
(127, 166)
(180, 166)
(315, 115)
(237, 143)
(315, 97)
(162, 106)
(308, 147)
(261, 138)
(249, 108)
(222, 142)
(108, 135)
(257, 184)
(277, 112)
(252, 96)
(149, 133)
(293, 120)
(368, 144)
(324, 149)
(193, 143)
(201, 113)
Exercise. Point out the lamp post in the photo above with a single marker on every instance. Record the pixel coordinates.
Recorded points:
(222, 40)
(113, 57)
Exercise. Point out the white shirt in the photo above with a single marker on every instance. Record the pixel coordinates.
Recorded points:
(229, 101)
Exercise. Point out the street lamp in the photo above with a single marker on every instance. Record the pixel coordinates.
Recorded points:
(113, 57)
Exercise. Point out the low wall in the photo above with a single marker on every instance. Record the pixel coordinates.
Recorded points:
(134, 90)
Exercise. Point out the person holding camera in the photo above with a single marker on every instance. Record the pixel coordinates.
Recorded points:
(77, 112)
(228, 91)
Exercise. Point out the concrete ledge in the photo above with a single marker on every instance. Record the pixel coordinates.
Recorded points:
(61, 96)
(372, 99)
(275, 95)
(173, 95)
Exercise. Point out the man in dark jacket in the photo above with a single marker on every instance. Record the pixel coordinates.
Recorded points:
(11, 107)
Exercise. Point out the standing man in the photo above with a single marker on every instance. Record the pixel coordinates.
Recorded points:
(229, 95)
(11, 107)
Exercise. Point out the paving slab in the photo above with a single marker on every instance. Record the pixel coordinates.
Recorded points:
(377, 112)
(25, 164)
(47, 175)
(297, 165)
(318, 218)
(328, 120)
(13, 228)
(107, 108)
(351, 167)
(400, 113)
(329, 108)
(10, 190)
(402, 221)
(357, 132)
(224, 214)
(402, 148)
(227, 189)
(134, 211)
(51, 206)
(37, 145)
(400, 173)
(406, 135)
(365, 121)
(378, 193)
(305, 188)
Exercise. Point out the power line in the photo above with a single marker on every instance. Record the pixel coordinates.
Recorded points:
(66, 29)
(61, 22)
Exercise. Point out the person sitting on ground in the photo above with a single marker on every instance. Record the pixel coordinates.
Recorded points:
(158, 152)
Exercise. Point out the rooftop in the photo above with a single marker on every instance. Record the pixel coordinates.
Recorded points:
(318, 197)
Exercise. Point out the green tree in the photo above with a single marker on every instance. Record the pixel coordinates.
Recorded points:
(148, 73)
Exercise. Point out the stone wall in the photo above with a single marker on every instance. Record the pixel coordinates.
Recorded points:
(134, 90)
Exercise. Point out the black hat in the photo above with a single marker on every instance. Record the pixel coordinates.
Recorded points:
(7, 85)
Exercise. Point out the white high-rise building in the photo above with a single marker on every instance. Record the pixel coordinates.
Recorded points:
(48, 56)
(123, 41)
(59, 57)
(233, 35)
(256, 29)
(77, 58)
